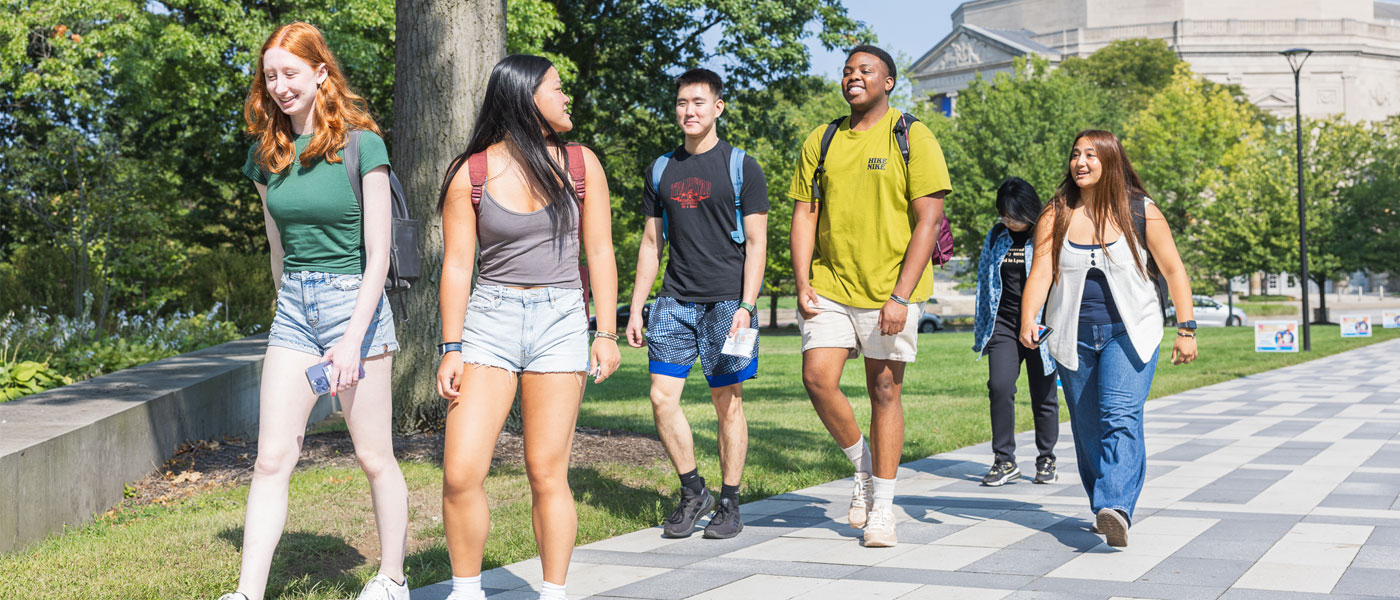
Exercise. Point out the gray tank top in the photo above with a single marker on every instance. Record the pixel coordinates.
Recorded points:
(537, 249)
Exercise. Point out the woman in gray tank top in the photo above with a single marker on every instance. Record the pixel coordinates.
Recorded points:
(532, 203)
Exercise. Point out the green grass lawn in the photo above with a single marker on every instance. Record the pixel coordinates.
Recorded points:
(190, 550)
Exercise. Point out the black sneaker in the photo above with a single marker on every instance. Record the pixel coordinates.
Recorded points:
(1002, 471)
(681, 523)
(1045, 470)
(725, 523)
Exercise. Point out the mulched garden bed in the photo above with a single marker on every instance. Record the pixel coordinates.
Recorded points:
(210, 464)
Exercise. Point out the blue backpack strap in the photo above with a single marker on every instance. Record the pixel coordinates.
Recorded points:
(736, 177)
(657, 169)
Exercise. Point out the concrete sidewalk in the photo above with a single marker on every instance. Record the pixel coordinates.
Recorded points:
(1281, 485)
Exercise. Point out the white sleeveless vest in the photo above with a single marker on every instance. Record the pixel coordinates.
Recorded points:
(1134, 295)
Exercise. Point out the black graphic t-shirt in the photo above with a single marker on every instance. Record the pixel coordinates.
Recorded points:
(1013, 280)
(705, 265)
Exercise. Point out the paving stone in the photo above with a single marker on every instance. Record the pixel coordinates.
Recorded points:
(1372, 556)
(674, 585)
(1211, 572)
(640, 559)
(1060, 539)
(1189, 451)
(1336, 500)
(1223, 549)
(1384, 536)
(915, 532)
(1249, 530)
(1123, 589)
(697, 546)
(1369, 582)
(1021, 561)
(774, 567)
(955, 578)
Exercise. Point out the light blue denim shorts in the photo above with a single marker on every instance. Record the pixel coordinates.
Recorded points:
(313, 311)
(540, 330)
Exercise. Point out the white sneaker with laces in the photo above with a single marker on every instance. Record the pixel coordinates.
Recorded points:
(879, 531)
(862, 496)
(383, 588)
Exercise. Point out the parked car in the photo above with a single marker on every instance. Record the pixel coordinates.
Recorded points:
(1209, 312)
(929, 322)
(624, 313)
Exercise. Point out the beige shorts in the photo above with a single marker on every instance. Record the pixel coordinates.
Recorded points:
(858, 329)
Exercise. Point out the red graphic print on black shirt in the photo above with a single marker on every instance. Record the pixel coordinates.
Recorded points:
(689, 192)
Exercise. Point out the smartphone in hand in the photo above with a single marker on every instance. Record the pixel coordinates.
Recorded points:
(1042, 332)
(320, 377)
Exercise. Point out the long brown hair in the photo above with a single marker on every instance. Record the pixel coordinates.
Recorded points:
(1117, 186)
(337, 109)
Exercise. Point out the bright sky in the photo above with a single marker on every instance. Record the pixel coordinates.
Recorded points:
(910, 27)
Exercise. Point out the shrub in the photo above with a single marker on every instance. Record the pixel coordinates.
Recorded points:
(241, 283)
(24, 377)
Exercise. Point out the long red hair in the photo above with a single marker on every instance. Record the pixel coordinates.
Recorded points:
(337, 109)
(1117, 186)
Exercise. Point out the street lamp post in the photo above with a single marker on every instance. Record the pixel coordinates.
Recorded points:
(1296, 58)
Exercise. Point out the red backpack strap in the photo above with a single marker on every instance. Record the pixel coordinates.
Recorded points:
(476, 169)
(577, 171)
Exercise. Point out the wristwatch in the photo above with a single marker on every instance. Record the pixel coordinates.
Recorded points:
(446, 347)
(1187, 325)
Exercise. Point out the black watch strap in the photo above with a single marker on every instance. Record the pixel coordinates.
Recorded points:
(446, 347)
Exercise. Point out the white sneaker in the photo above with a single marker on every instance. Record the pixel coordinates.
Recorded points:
(383, 588)
(879, 531)
(233, 596)
(862, 496)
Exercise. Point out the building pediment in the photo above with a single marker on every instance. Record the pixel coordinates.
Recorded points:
(1273, 100)
(970, 46)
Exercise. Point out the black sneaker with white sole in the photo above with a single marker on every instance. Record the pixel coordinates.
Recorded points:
(726, 522)
(1002, 472)
(692, 508)
(1045, 470)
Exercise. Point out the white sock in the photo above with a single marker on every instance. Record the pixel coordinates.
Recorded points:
(466, 588)
(550, 591)
(859, 453)
(884, 493)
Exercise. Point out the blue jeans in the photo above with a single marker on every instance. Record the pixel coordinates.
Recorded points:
(1105, 399)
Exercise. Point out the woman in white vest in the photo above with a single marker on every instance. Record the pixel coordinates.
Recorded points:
(1095, 249)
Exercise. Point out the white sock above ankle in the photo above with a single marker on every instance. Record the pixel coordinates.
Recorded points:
(883, 492)
(859, 454)
(551, 591)
(466, 588)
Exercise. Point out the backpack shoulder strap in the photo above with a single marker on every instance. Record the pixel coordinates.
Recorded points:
(577, 170)
(827, 135)
(901, 133)
(1139, 210)
(352, 166)
(658, 168)
(736, 178)
(476, 169)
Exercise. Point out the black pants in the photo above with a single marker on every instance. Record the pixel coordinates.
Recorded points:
(1004, 357)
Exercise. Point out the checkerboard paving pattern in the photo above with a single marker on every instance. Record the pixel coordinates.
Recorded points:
(1282, 485)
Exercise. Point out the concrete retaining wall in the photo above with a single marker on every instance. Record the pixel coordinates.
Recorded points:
(66, 454)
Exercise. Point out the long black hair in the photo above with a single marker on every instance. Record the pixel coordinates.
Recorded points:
(1017, 200)
(509, 112)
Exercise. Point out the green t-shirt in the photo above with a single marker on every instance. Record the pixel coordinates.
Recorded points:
(867, 219)
(315, 210)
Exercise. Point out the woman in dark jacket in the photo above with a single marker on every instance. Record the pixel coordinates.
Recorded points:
(1001, 276)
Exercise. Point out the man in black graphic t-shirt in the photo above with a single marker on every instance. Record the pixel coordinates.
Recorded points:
(713, 277)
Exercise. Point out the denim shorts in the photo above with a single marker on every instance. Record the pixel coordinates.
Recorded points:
(680, 331)
(540, 330)
(313, 310)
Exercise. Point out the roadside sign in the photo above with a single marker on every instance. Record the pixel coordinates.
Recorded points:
(1391, 319)
(1275, 336)
(1356, 326)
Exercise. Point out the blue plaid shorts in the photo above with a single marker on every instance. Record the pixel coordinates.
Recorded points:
(679, 332)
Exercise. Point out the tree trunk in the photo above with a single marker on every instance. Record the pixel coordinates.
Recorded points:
(773, 310)
(444, 52)
(1321, 302)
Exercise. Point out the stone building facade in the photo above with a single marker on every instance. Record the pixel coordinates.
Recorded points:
(1354, 70)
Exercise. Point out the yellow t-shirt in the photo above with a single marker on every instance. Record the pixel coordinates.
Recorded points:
(867, 220)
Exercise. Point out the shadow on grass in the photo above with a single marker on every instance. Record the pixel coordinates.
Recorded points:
(306, 561)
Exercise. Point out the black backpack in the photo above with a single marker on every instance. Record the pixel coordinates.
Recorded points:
(1139, 210)
(403, 244)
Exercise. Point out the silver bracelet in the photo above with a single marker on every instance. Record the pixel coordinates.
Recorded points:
(898, 300)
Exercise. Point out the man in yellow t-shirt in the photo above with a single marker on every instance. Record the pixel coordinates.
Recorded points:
(873, 228)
